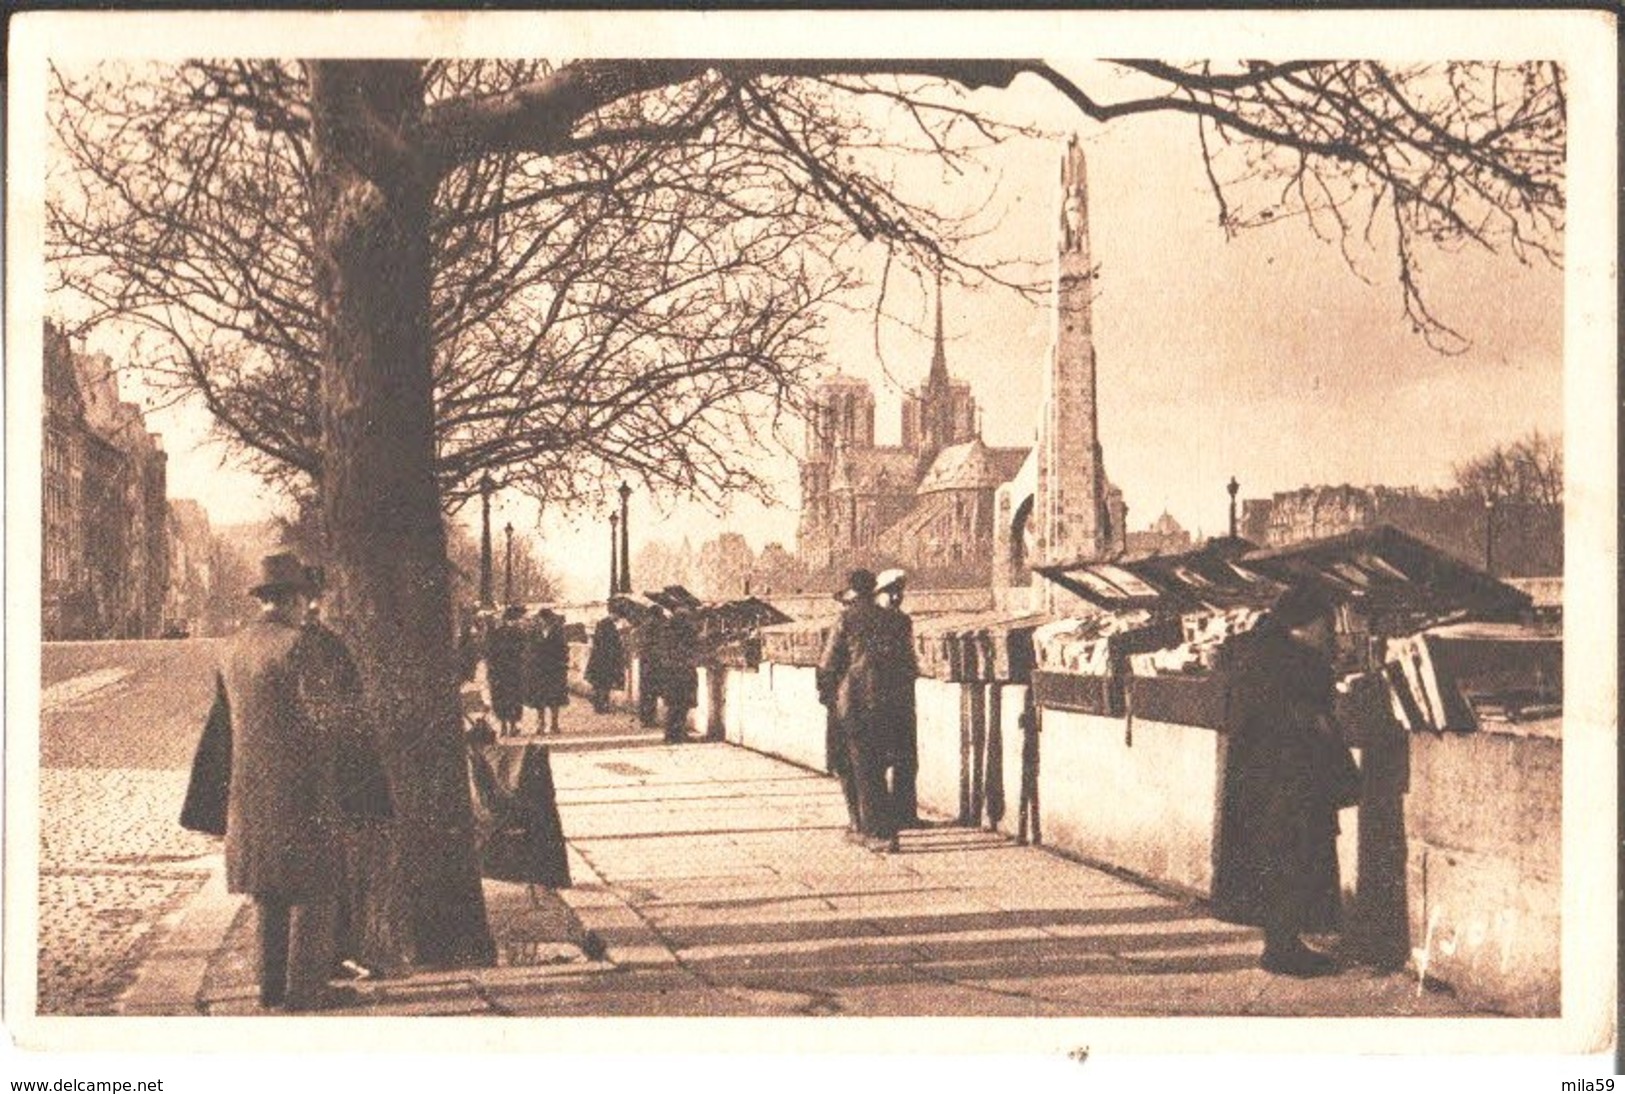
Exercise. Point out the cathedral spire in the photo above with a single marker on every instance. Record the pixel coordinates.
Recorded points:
(938, 376)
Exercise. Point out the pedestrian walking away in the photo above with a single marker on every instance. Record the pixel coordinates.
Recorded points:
(299, 778)
(896, 703)
(504, 669)
(838, 761)
(1286, 774)
(606, 663)
(863, 658)
(547, 669)
(676, 677)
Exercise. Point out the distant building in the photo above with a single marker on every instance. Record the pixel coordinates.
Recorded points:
(105, 559)
(1166, 536)
(925, 505)
(943, 504)
(1515, 539)
(192, 568)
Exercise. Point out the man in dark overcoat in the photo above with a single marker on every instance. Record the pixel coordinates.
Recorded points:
(547, 669)
(840, 763)
(672, 640)
(897, 713)
(606, 663)
(505, 669)
(294, 698)
(863, 657)
(1276, 856)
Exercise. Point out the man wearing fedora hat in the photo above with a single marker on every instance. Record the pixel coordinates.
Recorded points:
(294, 699)
(861, 665)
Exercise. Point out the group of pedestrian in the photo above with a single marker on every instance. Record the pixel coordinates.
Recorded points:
(287, 768)
(866, 680)
(527, 664)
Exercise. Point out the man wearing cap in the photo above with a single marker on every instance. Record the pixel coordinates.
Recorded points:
(294, 700)
(897, 704)
(1276, 859)
(862, 660)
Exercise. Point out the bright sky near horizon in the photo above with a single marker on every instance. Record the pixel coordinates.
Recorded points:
(1261, 356)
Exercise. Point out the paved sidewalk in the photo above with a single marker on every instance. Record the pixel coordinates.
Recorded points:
(721, 883)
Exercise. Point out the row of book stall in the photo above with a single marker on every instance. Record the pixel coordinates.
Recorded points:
(1098, 730)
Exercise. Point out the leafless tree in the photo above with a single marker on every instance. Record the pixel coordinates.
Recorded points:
(644, 298)
(389, 276)
(1526, 472)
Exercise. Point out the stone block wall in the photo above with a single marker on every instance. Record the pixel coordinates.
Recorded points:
(1484, 866)
(1141, 800)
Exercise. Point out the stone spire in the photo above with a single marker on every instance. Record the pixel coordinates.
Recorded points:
(936, 405)
(1072, 523)
(937, 378)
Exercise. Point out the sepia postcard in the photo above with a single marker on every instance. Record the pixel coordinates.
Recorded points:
(1028, 541)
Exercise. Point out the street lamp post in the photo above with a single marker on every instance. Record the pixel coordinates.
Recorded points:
(1233, 489)
(507, 568)
(1489, 534)
(626, 540)
(614, 547)
(485, 540)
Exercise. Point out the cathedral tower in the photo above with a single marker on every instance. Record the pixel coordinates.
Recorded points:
(1071, 518)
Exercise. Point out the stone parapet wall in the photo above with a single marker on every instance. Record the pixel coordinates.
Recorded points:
(1484, 866)
(1139, 798)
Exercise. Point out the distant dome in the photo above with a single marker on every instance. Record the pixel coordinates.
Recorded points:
(1166, 525)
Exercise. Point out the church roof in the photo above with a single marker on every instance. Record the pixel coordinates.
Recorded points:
(874, 471)
(972, 465)
(902, 539)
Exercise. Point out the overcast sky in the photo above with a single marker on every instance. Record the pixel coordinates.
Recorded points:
(1261, 356)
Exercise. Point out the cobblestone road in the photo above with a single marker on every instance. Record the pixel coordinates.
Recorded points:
(119, 721)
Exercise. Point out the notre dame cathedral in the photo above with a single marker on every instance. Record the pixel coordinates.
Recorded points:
(943, 505)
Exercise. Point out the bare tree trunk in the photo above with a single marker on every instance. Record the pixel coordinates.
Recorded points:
(422, 897)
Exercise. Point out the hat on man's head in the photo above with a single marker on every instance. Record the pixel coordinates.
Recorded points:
(859, 584)
(890, 579)
(282, 572)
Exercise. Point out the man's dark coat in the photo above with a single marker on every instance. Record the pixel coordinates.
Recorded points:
(300, 757)
(1275, 861)
(606, 662)
(547, 665)
(504, 671)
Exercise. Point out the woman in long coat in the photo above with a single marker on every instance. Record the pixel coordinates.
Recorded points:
(606, 663)
(1276, 858)
(547, 669)
(504, 669)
